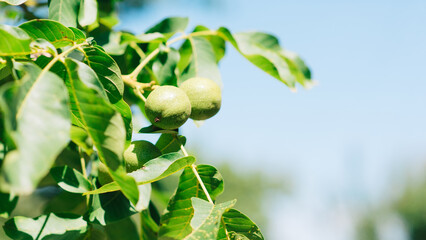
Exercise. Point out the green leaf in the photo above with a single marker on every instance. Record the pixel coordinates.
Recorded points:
(70, 179)
(164, 67)
(7, 204)
(149, 228)
(110, 207)
(298, 68)
(107, 133)
(154, 129)
(203, 61)
(64, 11)
(15, 2)
(80, 137)
(238, 226)
(51, 226)
(169, 26)
(168, 143)
(109, 74)
(52, 31)
(107, 71)
(38, 119)
(217, 42)
(123, 229)
(153, 170)
(66, 202)
(264, 51)
(141, 38)
(206, 219)
(175, 223)
(80, 36)
(13, 41)
(88, 12)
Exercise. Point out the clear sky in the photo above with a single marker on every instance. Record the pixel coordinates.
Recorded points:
(344, 141)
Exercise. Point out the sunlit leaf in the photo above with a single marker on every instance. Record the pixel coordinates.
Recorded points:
(142, 38)
(40, 95)
(175, 223)
(206, 220)
(153, 170)
(88, 12)
(64, 11)
(52, 31)
(203, 61)
(80, 36)
(169, 26)
(70, 179)
(13, 41)
(109, 74)
(51, 226)
(235, 225)
(264, 51)
(168, 143)
(14, 2)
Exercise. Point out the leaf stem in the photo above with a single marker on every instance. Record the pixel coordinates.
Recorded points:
(139, 94)
(194, 170)
(132, 76)
(84, 171)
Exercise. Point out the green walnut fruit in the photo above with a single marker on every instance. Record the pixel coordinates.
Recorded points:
(167, 107)
(135, 156)
(205, 97)
(138, 153)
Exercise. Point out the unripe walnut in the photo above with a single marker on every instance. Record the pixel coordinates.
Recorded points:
(138, 153)
(135, 156)
(205, 97)
(167, 107)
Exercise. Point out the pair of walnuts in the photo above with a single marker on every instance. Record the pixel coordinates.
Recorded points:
(169, 107)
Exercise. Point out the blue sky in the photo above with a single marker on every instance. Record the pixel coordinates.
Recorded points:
(344, 141)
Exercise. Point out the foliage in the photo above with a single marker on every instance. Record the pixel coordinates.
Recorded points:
(66, 87)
